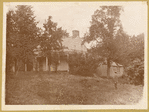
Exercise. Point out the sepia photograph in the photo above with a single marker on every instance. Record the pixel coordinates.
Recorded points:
(74, 55)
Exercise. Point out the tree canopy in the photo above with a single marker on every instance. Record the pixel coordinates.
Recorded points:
(23, 36)
(111, 42)
(22, 33)
(105, 26)
(51, 40)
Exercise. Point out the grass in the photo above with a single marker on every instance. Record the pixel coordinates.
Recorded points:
(41, 88)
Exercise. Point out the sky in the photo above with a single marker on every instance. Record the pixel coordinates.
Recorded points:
(77, 15)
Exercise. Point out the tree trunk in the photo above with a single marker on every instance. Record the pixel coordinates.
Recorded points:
(124, 72)
(36, 66)
(17, 67)
(49, 68)
(108, 68)
(49, 64)
(56, 68)
(7, 66)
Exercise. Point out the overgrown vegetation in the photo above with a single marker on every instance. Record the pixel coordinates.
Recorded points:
(135, 68)
(114, 44)
(135, 72)
(51, 41)
(111, 42)
(83, 64)
(21, 36)
(24, 38)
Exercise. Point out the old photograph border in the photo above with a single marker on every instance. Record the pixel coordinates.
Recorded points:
(143, 105)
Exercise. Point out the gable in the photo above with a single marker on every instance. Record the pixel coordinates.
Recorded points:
(74, 44)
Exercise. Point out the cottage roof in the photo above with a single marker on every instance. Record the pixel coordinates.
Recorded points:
(71, 43)
(115, 64)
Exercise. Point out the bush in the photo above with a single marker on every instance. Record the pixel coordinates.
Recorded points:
(83, 64)
(135, 72)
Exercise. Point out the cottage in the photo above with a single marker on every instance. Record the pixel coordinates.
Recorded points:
(70, 44)
(115, 70)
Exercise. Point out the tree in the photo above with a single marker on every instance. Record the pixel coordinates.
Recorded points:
(135, 68)
(10, 33)
(122, 46)
(24, 35)
(103, 30)
(51, 40)
(137, 46)
(55, 59)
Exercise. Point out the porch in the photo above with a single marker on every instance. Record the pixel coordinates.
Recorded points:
(41, 64)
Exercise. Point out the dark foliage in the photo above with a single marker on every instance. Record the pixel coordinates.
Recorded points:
(21, 36)
(135, 69)
(135, 72)
(83, 64)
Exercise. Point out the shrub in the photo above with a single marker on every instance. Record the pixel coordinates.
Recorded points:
(135, 72)
(83, 64)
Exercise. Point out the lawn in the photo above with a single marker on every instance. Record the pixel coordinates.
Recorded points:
(63, 88)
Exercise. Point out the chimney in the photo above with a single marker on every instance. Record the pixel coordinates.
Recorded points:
(75, 33)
